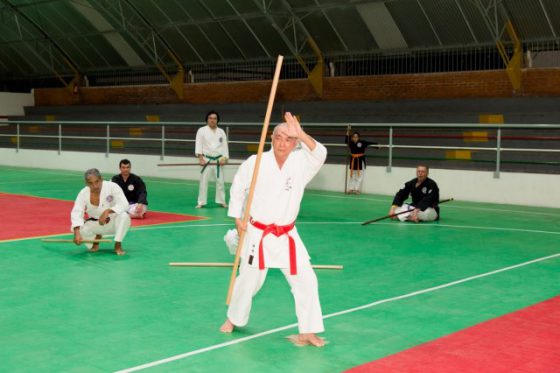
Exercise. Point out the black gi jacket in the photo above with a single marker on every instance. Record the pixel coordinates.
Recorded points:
(358, 148)
(134, 188)
(424, 196)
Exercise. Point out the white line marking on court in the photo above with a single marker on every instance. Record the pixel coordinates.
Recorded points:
(335, 314)
(356, 223)
(181, 226)
(30, 181)
(502, 210)
(477, 227)
(452, 206)
(361, 198)
(38, 170)
(186, 182)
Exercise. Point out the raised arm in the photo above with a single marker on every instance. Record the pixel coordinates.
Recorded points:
(295, 130)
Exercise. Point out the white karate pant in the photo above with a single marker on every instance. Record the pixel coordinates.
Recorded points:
(428, 214)
(136, 215)
(305, 290)
(118, 225)
(355, 181)
(211, 173)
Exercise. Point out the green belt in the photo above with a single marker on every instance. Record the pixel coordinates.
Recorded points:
(210, 159)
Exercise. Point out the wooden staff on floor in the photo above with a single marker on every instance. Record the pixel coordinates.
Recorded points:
(219, 264)
(255, 174)
(61, 240)
(192, 164)
(399, 213)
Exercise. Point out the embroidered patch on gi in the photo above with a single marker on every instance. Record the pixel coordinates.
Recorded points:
(359, 144)
(131, 187)
(288, 185)
(424, 190)
(221, 140)
(109, 198)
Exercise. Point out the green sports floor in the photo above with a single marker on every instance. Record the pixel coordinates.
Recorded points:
(65, 310)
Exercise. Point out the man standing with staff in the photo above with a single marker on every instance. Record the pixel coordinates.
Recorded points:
(271, 239)
(212, 151)
(106, 207)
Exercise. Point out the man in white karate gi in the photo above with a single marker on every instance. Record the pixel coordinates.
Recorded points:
(106, 207)
(272, 240)
(212, 151)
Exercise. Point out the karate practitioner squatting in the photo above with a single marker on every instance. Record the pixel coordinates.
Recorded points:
(283, 175)
(106, 206)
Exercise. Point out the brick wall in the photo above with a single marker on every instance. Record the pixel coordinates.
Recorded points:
(478, 84)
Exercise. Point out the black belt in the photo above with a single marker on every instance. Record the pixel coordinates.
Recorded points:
(95, 219)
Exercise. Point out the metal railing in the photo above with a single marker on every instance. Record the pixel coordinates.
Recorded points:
(523, 148)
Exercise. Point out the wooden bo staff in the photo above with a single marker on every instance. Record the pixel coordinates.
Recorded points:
(192, 164)
(255, 173)
(348, 129)
(219, 264)
(61, 240)
(399, 213)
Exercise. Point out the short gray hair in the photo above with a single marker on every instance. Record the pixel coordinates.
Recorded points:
(278, 126)
(92, 172)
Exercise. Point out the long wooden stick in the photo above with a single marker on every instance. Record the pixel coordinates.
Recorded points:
(220, 264)
(192, 164)
(399, 213)
(255, 173)
(60, 240)
(347, 159)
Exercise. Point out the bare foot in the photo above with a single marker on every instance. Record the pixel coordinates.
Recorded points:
(305, 339)
(227, 327)
(118, 249)
(95, 246)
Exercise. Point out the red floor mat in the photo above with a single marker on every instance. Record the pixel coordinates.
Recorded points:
(522, 341)
(27, 217)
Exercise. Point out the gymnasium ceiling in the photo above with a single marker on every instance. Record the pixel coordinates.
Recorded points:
(41, 38)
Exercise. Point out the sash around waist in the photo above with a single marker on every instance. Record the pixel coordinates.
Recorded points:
(277, 230)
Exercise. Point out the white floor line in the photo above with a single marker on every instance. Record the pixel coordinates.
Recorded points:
(502, 210)
(335, 314)
(43, 171)
(355, 198)
(29, 181)
(448, 205)
(478, 227)
(356, 223)
(186, 182)
(181, 226)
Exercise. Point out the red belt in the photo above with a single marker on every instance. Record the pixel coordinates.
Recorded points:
(277, 230)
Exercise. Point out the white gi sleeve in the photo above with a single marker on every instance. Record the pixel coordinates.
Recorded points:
(314, 159)
(198, 142)
(240, 187)
(120, 201)
(79, 209)
(225, 147)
